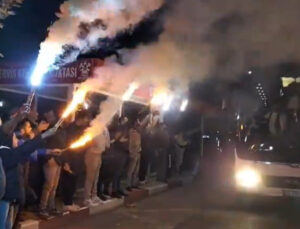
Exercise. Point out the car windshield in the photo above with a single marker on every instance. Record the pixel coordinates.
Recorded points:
(275, 139)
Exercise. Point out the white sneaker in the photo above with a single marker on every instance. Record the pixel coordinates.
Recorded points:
(71, 208)
(97, 200)
(89, 203)
(143, 182)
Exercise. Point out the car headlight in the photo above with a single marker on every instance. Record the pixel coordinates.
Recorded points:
(247, 178)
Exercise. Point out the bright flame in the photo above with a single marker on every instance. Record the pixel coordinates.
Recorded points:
(159, 98)
(162, 99)
(82, 141)
(184, 105)
(168, 103)
(46, 58)
(78, 98)
(131, 89)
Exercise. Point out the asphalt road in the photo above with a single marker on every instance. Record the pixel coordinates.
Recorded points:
(206, 205)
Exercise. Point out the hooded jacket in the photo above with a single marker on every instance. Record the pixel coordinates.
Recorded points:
(10, 160)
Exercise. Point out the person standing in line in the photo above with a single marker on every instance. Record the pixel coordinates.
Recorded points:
(11, 158)
(73, 161)
(162, 145)
(8, 140)
(180, 145)
(93, 161)
(51, 168)
(120, 151)
(134, 157)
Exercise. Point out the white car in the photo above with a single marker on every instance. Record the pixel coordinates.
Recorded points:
(266, 177)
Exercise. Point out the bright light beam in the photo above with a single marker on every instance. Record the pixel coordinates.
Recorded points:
(184, 105)
(132, 88)
(48, 53)
(81, 141)
(78, 98)
(168, 103)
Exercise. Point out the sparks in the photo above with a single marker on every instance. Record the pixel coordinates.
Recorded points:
(78, 98)
(184, 105)
(159, 98)
(168, 103)
(82, 141)
(45, 59)
(162, 99)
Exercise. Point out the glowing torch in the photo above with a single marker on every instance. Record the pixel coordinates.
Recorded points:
(48, 53)
(162, 99)
(184, 105)
(78, 98)
(81, 141)
(132, 88)
(127, 95)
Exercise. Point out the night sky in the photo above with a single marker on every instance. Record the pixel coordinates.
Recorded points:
(23, 33)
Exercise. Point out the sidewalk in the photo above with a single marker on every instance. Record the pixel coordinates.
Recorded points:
(152, 188)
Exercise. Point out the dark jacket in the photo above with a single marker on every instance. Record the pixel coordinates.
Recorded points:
(74, 157)
(10, 160)
(2, 180)
(57, 141)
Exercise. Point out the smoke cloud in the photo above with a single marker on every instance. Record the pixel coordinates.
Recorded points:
(82, 23)
(223, 39)
(201, 39)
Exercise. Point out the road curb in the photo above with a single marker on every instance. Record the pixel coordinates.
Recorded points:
(135, 196)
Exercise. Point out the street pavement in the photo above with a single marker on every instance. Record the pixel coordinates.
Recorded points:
(206, 203)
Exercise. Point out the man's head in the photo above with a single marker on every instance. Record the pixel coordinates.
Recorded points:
(50, 117)
(25, 128)
(82, 118)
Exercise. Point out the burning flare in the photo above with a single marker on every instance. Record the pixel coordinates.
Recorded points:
(82, 141)
(49, 52)
(109, 108)
(78, 98)
(132, 88)
(162, 99)
(184, 105)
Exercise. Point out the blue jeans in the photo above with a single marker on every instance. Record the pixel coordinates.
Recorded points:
(4, 209)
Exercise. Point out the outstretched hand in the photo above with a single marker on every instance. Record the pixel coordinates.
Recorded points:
(24, 110)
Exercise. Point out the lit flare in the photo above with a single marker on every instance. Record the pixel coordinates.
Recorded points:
(184, 105)
(131, 89)
(48, 53)
(78, 98)
(162, 99)
(82, 141)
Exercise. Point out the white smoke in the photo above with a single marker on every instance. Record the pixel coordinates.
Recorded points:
(109, 18)
(116, 15)
(208, 38)
(224, 39)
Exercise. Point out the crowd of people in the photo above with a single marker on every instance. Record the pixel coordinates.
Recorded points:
(37, 165)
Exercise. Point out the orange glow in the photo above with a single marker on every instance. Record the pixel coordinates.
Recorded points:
(159, 98)
(162, 98)
(82, 141)
(78, 98)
